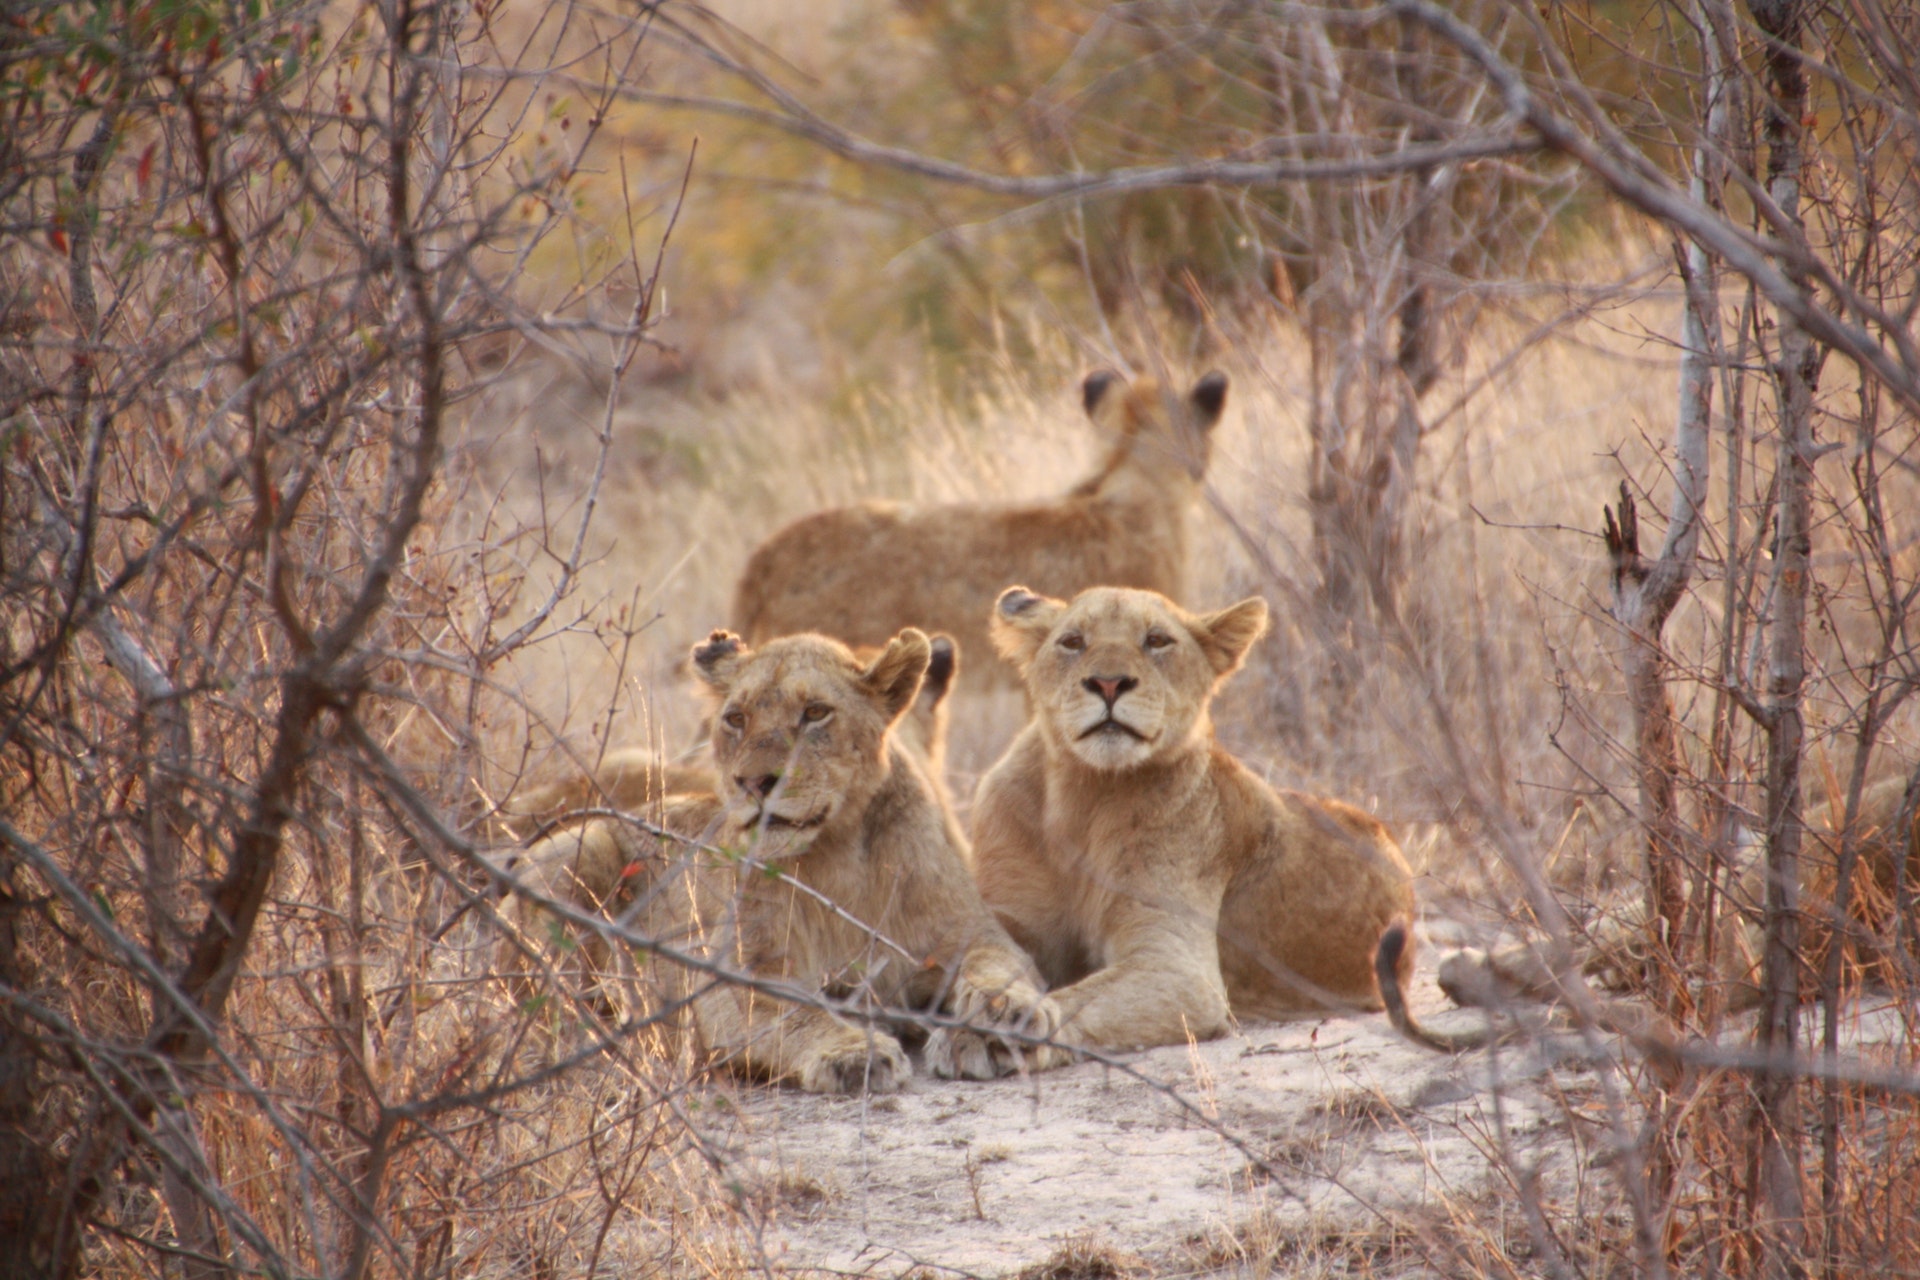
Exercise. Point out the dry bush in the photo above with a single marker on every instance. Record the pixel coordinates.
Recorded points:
(254, 262)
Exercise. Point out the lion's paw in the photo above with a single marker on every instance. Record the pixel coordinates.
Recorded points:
(1012, 1002)
(871, 1062)
(983, 1053)
(960, 1054)
(1045, 1057)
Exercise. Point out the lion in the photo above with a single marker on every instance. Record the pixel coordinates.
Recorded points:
(841, 874)
(1160, 886)
(844, 572)
(1886, 832)
(633, 778)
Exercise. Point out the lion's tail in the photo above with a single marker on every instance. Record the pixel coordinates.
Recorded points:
(1392, 963)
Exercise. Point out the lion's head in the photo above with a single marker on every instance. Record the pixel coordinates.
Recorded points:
(1121, 677)
(800, 732)
(1151, 427)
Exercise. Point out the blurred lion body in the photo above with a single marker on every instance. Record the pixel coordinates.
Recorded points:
(815, 789)
(1157, 882)
(860, 573)
(1886, 834)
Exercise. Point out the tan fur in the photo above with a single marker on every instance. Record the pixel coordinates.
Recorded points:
(631, 778)
(634, 778)
(861, 573)
(815, 786)
(1620, 953)
(1157, 882)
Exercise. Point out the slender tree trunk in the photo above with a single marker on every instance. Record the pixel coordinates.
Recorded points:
(28, 1247)
(1643, 597)
(1777, 1101)
(1645, 592)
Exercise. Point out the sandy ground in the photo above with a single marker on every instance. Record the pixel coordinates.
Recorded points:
(1160, 1162)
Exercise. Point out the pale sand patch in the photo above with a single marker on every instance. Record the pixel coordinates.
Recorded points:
(990, 1178)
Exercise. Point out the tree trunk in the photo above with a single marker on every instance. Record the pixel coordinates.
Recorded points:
(28, 1248)
(1367, 435)
(1643, 598)
(1777, 1094)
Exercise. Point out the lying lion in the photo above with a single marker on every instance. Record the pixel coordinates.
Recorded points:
(635, 778)
(1159, 884)
(861, 573)
(846, 878)
(1886, 834)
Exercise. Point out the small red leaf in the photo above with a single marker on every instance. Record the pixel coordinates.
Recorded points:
(631, 870)
(144, 173)
(57, 238)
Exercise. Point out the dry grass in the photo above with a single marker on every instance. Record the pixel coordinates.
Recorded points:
(1084, 1257)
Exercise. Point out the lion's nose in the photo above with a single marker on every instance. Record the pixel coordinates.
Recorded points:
(759, 788)
(1110, 687)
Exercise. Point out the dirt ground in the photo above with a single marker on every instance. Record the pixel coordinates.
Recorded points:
(1157, 1165)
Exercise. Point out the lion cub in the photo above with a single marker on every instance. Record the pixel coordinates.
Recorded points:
(1157, 882)
(861, 573)
(848, 878)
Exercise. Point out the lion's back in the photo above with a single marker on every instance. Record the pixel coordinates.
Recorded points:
(820, 573)
(862, 573)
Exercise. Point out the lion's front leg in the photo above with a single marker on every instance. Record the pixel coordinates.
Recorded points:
(811, 1047)
(1140, 1005)
(1163, 985)
(995, 988)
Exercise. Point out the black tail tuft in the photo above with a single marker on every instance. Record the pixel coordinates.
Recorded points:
(1389, 959)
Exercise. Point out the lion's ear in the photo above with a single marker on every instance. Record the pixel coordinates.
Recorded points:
(942, 665)
(1226, 636)
(1098, 385)
(717, 658)
(1209, 399)
(1021, 623)
(894, 677)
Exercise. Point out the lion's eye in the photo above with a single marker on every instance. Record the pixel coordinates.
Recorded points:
(1158, 640)
(1073, 642)
(815, 713)
(735, 720)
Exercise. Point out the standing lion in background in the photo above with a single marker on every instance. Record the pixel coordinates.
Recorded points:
(861, 573)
